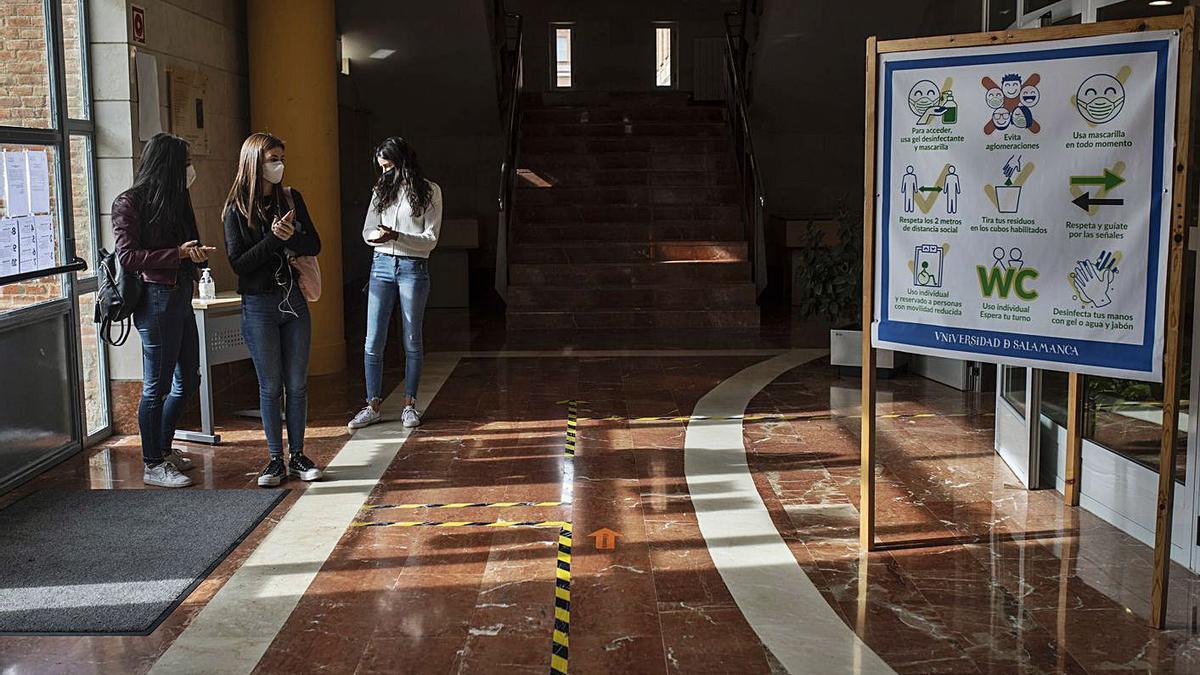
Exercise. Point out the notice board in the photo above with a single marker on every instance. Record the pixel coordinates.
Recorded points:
(1023, 200)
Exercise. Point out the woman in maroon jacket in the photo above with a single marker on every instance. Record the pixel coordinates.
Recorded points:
(156, 236)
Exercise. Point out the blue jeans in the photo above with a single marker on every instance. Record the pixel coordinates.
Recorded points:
(170, 363)
(279, 345)
(407, 280)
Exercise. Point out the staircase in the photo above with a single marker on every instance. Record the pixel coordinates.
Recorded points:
(628, 216)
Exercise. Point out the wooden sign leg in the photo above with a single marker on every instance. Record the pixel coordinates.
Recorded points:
(866, 506)
(1180, 217)
(1075, 396)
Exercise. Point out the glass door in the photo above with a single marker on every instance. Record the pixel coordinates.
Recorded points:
(48, 220)
(1018, 391)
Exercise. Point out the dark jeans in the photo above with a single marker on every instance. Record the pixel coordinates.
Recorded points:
(170, 363)
(403, 279)
(279, 344)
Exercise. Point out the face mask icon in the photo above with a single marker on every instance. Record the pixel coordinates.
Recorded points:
(1100, 98)
(923, 96)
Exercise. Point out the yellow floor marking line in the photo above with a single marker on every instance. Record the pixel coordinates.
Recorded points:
(562, 604)
(462, 523)
(780, 417)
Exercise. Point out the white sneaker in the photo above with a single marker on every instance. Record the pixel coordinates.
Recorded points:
(365, 418)
(175, 457)
(410, 417)
(165, 475)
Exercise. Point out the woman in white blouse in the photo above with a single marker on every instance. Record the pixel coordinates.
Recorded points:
(402, 224)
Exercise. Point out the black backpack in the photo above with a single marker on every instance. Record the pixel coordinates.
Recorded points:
(117, 297)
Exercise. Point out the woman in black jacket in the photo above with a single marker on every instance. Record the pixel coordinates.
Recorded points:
(267, 224)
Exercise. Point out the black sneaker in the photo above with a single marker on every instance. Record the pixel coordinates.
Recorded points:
(302, 466)
(273, 475)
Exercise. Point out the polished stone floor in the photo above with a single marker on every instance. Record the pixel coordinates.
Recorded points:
(1043, 589)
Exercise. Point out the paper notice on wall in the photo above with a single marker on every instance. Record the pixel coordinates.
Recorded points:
(43, 232)
(16, 185)
(189, 90)
(38, 181)
(10, 259)
(26, 244)
(149, 119)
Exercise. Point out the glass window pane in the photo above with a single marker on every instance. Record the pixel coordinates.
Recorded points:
(562, 57)
(81, 203)
(1125, 416)
(1014, 387)
(72, 18)
(95, 402)
(35, 250)
(1137, 9)
(24, 65)
(662, 57)
(1001, 14)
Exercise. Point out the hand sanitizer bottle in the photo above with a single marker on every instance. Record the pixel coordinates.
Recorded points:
(208, 287)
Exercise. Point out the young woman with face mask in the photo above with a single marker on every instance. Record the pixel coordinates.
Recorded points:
(156, 236)
(402, 224)
(266, 224)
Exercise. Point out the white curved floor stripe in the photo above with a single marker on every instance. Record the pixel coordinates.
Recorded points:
(777, 598)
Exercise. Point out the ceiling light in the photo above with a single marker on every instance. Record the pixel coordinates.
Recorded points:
(380, 54)
(1160, 3)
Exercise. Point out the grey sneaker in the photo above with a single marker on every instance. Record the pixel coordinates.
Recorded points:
(165, 475)
(365, 418)
(176, 458)
(410, 417)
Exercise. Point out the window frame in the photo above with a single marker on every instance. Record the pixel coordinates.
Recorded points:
(555, 26)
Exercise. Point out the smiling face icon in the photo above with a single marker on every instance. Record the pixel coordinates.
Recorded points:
(1100, 98)
(1001, 118)
(923, 96)
(994, 98)
(1022, 117)
(1011, 86)
(1030, 96)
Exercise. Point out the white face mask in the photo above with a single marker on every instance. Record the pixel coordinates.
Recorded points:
(273, 172)
(191, 175)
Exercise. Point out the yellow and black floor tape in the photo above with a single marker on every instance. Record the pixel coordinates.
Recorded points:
(782, 417)
(461, 523)
(462, 505)
(572, 427)
(562, 604)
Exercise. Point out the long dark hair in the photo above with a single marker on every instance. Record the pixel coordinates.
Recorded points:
(244, 195)
(406, 174)
(160, 187)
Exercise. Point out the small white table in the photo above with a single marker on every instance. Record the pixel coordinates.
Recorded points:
(219, 323)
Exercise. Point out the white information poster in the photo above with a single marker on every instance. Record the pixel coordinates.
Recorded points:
(10, 257)
(1024, 202)
(38, 181)
(16, 184)
(27, 244)
(43, 231)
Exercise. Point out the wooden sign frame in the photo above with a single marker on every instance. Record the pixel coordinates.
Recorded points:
(1182, 213)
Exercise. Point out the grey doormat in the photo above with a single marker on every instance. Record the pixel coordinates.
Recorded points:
(115, 562)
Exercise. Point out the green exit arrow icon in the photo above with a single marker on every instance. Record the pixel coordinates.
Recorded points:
(930, 189)
(1109, 180)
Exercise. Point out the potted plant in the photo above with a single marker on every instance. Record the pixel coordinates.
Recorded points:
(828, 277)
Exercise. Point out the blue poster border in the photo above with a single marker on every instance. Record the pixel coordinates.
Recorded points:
(1127, 357)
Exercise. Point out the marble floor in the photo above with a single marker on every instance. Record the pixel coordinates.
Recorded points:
(1043, 589)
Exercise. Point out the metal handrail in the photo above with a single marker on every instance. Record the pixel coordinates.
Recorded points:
(513, 87)
(747, 160)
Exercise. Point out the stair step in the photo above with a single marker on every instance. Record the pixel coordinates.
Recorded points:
(657, 144)
(591, 178)
(629, 252)
(563, 214)
(677, 161)
(634, 319)
(628, 275)
(613, 115)
(717, 296)
(621, 129)
(720, 231)
(628, 195)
